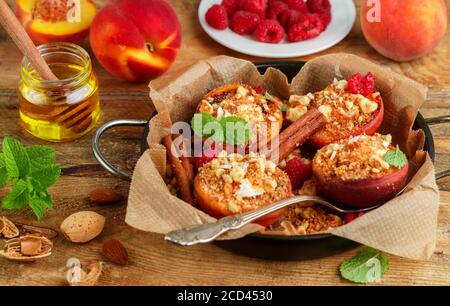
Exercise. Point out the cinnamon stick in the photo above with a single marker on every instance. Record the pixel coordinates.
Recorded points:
(20, 37)
(184, 184)
(298, 132)
(185, 159)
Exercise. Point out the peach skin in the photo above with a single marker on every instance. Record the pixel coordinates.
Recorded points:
(404, 30)
(56, 20)
(136, 40)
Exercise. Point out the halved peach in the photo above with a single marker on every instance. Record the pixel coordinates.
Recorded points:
(362, 193)
(325, 137)
(56, 20)
(272, 116)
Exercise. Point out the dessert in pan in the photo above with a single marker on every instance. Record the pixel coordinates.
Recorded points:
(323, 143)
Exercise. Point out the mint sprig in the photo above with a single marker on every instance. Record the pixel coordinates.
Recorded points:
(395, 158)
(31, 171)
(368, 266)
(233, 130)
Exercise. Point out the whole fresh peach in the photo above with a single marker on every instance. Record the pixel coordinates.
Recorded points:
(56, 20)
(136, 40)
(404, 30)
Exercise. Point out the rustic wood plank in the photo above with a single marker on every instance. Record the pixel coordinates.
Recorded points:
(156, 262)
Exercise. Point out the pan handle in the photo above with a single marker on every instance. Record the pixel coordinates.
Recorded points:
(439, 120)
(96, 144)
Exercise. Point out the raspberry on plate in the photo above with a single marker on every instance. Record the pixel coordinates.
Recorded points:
(253, 6)
(231, 6)
(289, 18)
(309, 27)
(275, 9)
(269, 31)
(326, 19)
(319, 6)
(244, 22)
(217, 17)
(298, 5)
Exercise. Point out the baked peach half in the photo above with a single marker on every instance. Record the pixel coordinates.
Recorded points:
(241, 100)
(362, 171)
(232, 184)
(56, 20)
(347, 114)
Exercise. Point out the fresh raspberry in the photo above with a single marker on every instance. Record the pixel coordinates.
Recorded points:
(231, 6)
(216, 16)
(253, 6)
(298, 5)
(326, 19)
(309, 27)
(269, 31)
(244, 22)
(351, 217)
(354, 84)
(275, 9)
(207, 156)
(357, 84)
(319, 6)
(368, 86)
(299, 171)
(289, 18)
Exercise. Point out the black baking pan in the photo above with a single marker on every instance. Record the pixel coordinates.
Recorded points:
(290, 69)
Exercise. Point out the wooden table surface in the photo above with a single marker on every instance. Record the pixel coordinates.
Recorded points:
(156, 262)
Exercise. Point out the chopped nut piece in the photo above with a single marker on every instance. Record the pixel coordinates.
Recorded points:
(206, 107)
(325, 110)
(299, 100)
(367, 106)
(294, 113)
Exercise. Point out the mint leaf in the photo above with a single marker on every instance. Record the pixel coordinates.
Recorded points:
(45, 177)
(283, 107)
(38, 206)
(16, 159)
(237, 130)
(18, 197)
(32, 171)
(199, 121)
(40, 156)
(3, 172)
(268, 96)
(368, 266)
(396, 158)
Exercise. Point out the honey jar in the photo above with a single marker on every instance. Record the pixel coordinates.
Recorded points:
(63, 109)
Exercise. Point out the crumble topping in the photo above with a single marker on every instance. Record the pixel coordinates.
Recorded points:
(243, 183)
(356, 158)
(245, 103)
(344, 111)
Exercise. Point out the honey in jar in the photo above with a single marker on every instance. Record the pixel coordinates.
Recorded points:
(64, 109)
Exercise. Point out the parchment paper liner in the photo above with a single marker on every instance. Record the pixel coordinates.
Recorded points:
(405, 226)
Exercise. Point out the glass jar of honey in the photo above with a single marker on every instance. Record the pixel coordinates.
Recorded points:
(63, 109)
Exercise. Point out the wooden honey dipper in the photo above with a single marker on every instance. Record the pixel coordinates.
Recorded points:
(65, 115)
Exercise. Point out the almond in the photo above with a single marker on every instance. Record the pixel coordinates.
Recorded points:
(82, 226)
(115, 251)
(105, 196)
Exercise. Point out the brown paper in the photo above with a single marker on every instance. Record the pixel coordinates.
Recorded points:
(405, 226)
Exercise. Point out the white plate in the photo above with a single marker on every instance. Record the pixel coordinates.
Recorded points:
(344, 15)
